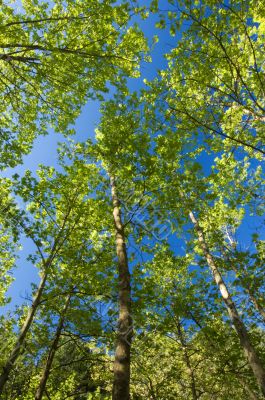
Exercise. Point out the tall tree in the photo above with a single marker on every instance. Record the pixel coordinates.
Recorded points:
(117, 140)
(57, 200)
(250, 352)
(121, 383)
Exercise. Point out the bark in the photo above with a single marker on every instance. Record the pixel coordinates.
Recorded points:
(187, 362)
(18, 347)
(121, 382)
(249, 350)
(47, 369)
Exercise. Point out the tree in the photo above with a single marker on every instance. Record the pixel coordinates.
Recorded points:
(121, 382)
(145, 227)
(53, 59)
(219, 92)
(54, 345)
(59, 216)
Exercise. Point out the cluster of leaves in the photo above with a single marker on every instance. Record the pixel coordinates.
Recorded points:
(53, 58)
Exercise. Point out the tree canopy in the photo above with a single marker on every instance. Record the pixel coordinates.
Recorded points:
(147, 234)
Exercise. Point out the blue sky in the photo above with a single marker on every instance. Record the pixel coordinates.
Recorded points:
(45, 151)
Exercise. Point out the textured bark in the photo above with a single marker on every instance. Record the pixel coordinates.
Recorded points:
(7, 368)
(250, 352)
(121, 382)
(46, 371)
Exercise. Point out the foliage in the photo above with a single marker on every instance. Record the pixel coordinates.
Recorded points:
(186, 151)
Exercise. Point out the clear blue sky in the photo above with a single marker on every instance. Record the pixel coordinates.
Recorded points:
(45, 152)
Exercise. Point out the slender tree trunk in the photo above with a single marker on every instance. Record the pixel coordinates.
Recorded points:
(251, 355)
(121, 383)
(46, 372)
(187, 361)
(7, 368)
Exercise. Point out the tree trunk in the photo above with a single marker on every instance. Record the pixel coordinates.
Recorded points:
(121, 383)
(250, 353)
(46, 372)
(7, 368)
